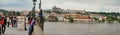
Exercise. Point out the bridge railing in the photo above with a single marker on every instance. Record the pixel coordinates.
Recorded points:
(38, 28)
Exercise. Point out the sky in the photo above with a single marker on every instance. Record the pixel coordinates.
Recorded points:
(89, 5)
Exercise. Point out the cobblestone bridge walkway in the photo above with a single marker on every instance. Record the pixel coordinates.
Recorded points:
(15, 31)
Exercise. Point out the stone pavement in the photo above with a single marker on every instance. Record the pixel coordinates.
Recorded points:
(37, 30)
(20, 31)
(14, 31)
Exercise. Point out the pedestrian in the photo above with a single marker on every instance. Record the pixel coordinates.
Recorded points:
(29, 19)
(12, 21)
(31, 27)
(3, 24)
(15, 22)
(8, 21)
(5, 20)
(0, 25)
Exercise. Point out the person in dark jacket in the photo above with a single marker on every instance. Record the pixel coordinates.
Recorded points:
(0, 25)
(2, 22)
(12, 21)
(31, 27)
(15, 22)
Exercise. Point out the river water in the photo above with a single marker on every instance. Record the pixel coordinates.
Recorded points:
(64, 28)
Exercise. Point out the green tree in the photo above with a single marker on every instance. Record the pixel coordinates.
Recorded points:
(119, 20)
(18, 13)
(71, 19)
(96, 19)
(110, 19)
(56, 18)
(103, 20)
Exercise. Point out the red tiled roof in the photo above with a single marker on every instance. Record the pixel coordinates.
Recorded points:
(77, 16)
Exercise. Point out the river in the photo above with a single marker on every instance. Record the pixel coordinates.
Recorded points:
(63, 28)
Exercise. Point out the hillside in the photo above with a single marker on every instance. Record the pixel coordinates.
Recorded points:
(9, 13)
(3, 11)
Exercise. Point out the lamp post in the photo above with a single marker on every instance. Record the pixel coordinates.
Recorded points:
(41, 17)
(40, 5)
(33, 10)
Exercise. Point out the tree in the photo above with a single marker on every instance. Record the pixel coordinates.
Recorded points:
(78, 13)
(71, 19)
(56, 18)
(96, 19)
(103, 20)
(110, 18)
(18, 13)
(118, 20)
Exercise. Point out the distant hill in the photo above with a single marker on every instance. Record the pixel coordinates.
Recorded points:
(8, 13)
(3, 11)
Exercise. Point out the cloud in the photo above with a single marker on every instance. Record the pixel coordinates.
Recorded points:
(15, 4)
(90, 5)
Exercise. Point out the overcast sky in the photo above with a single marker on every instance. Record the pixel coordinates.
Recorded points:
(89, 5)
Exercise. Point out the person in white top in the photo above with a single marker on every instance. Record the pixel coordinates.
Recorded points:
(8, 21)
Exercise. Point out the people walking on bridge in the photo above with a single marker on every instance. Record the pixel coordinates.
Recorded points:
(11, 18)
(0, 25)
(31, 27)
(5, 20)
(2, 22)
(8, 21)
(29, 20)
(15, 22)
